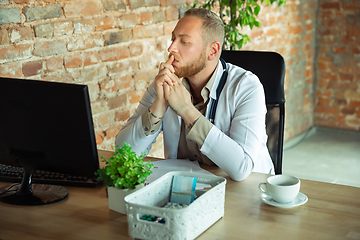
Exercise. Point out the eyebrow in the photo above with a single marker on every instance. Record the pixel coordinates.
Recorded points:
(181, 35)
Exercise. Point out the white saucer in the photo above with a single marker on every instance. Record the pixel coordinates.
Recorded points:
(299, 200)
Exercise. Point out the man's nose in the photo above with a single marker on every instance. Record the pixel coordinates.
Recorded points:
(172, 48)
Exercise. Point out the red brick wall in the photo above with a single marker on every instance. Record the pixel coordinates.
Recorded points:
(291, 31)
(338, 65)
(115, 46)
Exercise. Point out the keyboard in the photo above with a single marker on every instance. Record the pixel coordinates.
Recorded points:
(15, 174)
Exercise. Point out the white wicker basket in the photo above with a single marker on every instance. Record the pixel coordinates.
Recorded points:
(185, 223)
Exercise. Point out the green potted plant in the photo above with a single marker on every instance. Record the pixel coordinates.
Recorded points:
(123, 173)
(237, 14)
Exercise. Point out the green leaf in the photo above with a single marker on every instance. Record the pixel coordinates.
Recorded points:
(257, 9)
(124, 169)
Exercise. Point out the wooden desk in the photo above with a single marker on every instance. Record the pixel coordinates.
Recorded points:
(332, 212)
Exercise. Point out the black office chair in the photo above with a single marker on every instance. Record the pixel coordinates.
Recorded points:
(270, 69)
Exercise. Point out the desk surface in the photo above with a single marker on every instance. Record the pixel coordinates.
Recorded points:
(332, 212)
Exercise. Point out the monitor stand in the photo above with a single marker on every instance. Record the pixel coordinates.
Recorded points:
(33, 194)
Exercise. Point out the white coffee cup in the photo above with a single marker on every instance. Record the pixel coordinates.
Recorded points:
(282, 188)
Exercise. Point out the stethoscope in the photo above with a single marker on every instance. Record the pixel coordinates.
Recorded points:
(214, 102)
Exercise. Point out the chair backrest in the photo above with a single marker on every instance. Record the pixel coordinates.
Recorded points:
(270, 69)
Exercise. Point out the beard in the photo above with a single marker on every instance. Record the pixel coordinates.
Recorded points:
(192, 68)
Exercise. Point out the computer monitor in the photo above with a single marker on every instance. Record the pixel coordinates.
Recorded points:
(45, 126)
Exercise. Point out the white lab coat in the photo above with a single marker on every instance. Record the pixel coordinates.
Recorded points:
(236, 141)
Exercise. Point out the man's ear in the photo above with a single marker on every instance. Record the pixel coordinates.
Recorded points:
(214, 50)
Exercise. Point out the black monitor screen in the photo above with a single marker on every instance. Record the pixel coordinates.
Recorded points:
(48, 126)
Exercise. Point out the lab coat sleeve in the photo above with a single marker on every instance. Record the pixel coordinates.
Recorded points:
(236, 149)
(132, 132)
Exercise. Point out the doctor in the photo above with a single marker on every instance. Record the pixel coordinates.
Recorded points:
(208, 110)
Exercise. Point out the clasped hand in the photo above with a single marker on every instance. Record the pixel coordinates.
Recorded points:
(170, 89)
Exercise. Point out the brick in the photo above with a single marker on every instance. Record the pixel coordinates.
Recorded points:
(128, 21)
(353, 32)
(295, 30)
(159, 16)
(134, 4)
(145, 18)
(93, 72)
(47, 12)
(165, 3)
(32, 68)
(135, 97)
(59, 77)
(117, 102)
(306, 101)
(105, 24)
(4, 36)
(323, 101)
(84, 26)
(114, 53)
(12, 70)
(341, 119)
(348, 110)
(12, 52)
(136, 49)
(124, 82)
(10, 15)
(322, 83)
(85, 8)
(108, 86)
(98, 107)
(21, 1)
(99, 138)
(346, 76)
(148, 31)
(169, 27)
(340, 102)
(294, 50)
(328, 75)
(18, 34)
(55, 64)
(354, 103)
(112, 132)
(332, 84)
(149, 61)
(49, 48)
(348, 85)
(44, 30)
(118, 37)
(122, 115)
(63, 28)
(73, 60)
(350, 5)
(152, 3)
(339, 49)
(94, 89)
(273, 32)
(161, 45)
(91, 58)
(114, 5)
(172, 14)
(104, 119)
(330, 5)
(351, 69)
(141, 80)
(83, 42)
